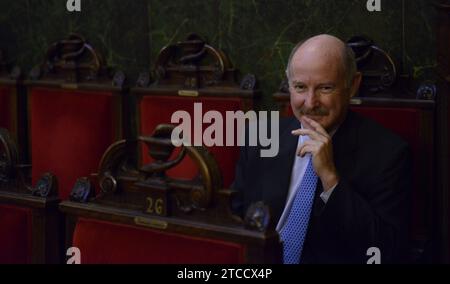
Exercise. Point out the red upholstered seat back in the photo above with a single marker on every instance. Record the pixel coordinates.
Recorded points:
(5, 107)
(105, 242)
(70, 131)
(15, 237)
(15, 222)
(406, 123)
(155, 110)
(403, 121)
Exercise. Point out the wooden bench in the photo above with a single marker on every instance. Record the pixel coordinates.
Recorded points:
(141, 215)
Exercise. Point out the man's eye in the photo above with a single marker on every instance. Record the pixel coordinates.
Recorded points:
(326, 89)
(299, 88)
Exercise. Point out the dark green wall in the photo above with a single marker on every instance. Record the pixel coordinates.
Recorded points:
(256, 34)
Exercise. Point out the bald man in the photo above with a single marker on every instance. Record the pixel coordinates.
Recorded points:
(339, 187)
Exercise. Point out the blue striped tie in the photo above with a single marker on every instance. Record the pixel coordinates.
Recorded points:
(294, 231)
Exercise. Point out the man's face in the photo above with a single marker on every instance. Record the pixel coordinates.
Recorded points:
(318, 89)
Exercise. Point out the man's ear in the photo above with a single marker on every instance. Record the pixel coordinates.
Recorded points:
(355, 84)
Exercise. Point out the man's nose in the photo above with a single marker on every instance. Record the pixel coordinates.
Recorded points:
(311, 99)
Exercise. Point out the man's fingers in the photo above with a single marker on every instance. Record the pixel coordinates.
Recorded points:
(311, 133)
(308, 146)
(305, 123)
(305, 150)
(316, 126)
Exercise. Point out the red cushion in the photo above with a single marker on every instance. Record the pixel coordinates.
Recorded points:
(406, 123)
(155, 110)
(105, 242)
(5, 107)
(70, 131)
(15, 237)
(403, 121)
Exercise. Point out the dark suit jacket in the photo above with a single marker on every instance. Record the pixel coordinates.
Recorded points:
(369, 206)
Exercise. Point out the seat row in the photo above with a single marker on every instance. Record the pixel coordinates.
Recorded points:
(86, 161)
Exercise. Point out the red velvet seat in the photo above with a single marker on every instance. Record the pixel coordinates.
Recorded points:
(191, 72)
(103, 242)
(155, 110)
(179, 240)
(15, 219)
(193, 224)
(403, 121)
(70, 131)
(75, 112)
(16, 236)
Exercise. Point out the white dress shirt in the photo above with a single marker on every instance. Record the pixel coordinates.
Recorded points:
(298, 171)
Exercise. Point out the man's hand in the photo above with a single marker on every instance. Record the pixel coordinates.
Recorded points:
(321, 147)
